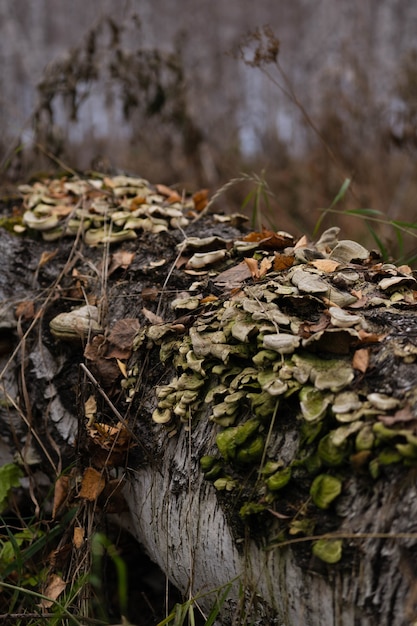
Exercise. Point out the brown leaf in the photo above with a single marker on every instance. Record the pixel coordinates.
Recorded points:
(234, 276)
(207, 299)
(265, 265)
(200, 199)
(136, 202)
(171, 195)
(78, 537)
(150, 293)
(301, 243)
(54, 588)
(325, 265)
(92, 484)
(366, 337)
(253, 266)
(108, 436)
(107, 371)
(122, 367)
(152, 317)
(269, 240)
(121, 338)
(60, 493)
(90, 410)
(95, 348)
(361, 360)
(405, 269)
(25, 310)
(46, 257)
(121, 259)
(283, 261)
(307, 329)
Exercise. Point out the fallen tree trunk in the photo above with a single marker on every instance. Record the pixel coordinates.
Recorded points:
(264, 412)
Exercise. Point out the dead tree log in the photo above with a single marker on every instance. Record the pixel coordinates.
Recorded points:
(262, 414)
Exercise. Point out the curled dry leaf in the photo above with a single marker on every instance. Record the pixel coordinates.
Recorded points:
(60, 494)
(269, 240)
(90, 410)
(54, 588)
(171, 195)
(46, 257)
(152, 317)
(301, 243)
(200, 199)
(110, 437)
(258, 271)
(92, 484)
(283, 261)
(121, 259)
(361, 360)
(78, 537)
(122, 367)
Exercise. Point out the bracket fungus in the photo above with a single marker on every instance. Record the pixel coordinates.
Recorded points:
(270, 353)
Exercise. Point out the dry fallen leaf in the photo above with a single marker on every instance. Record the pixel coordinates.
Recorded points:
(269, 240)
(361, 360)
(171, 195)
(60, 493)
(78, 537)
(90, 410)
(200, 199)
(301, 243)
(265, 265)
(110, 437)
(405, 269)
(208, 299)
(152, 317)
(234, 276)
(253, 267)
(121, 259)
(366, 337)
(258, 271)
(325, 265)
(150, 293)
(46, 257)
(25, 310)
(121, 338)
(122, 367)
(92, 484)
(283, 261)
(54, 588)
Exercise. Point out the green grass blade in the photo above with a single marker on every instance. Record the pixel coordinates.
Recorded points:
(382, 248)
(218, 606)
(341, 193)
(363, 212)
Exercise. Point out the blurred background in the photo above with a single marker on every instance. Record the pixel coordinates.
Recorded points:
(296, 96)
